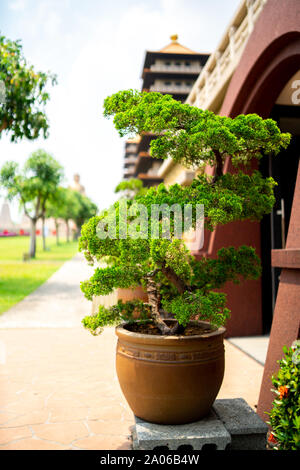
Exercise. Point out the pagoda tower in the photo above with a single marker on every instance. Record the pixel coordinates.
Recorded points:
(172, 70)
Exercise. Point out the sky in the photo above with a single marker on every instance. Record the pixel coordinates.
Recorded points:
(96, 48)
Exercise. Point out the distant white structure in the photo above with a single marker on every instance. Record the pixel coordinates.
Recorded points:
(6, 222)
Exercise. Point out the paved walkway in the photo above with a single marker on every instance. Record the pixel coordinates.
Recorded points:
(58, 303)
(59, 388)
(255, 346)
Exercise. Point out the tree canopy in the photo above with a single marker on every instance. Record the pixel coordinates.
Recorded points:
(86, 209)
(68, 204)
(33, 185)
(22, 114)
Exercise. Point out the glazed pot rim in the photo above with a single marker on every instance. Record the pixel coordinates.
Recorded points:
(123, 333)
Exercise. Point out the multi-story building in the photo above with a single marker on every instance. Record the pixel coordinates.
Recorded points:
(130, 157)
(172, 70)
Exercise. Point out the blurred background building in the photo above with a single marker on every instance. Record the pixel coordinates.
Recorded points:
(173, 70)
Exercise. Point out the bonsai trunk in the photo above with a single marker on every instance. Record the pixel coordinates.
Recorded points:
(154, 301)
(219, 166)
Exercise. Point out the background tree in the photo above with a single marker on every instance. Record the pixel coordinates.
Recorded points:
(85, 209)
(33, 186)
(130, 188)
(69, 209)
(176, 282)
(68, 204)
(23, 112)
(55, 208)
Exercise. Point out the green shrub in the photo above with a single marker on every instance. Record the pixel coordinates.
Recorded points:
(285, 414)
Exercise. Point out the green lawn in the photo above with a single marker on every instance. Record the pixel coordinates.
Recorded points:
(18, 278)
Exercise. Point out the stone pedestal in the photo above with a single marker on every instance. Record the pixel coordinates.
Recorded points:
(231, 425)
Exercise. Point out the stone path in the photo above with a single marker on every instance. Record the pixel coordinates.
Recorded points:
(58, 386)
(58, 303)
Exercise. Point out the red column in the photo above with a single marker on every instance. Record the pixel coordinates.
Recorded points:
(286, 321)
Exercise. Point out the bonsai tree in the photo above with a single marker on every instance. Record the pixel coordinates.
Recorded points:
(33, 186)
(178, 285)
(24, 90)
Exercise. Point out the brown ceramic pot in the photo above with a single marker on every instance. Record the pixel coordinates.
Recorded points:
(170, 379)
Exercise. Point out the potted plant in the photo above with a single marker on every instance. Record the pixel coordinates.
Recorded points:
(170, 353)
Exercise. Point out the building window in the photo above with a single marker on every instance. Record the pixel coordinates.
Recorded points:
(187, 64)
(167, 63)
(178, 64)
(167, 83)
(178, 83)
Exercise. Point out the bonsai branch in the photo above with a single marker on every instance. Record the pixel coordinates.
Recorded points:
(219, 165)
(174, 279)
(154, 301)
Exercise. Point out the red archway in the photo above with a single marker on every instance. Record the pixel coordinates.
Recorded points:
(270, 58)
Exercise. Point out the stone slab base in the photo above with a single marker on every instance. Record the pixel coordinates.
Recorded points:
(231, 424)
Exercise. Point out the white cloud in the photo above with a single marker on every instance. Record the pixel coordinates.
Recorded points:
(17, 5)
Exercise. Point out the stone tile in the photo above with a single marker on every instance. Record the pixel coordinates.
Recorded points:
(5, 416)
(104, 443)
(115, 428)
(34, 417)
(12, 434)
(25, 405)
(114, 412)
(33, 444)
(64, 433)
(63, 413)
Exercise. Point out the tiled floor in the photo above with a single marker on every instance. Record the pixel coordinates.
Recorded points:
(59, 390)
(58, 386)
(255, 346)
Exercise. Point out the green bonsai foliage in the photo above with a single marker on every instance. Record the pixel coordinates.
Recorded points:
(285, 413)
(130, 188)
(179, 285)
(122, 312)
(190, 135)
